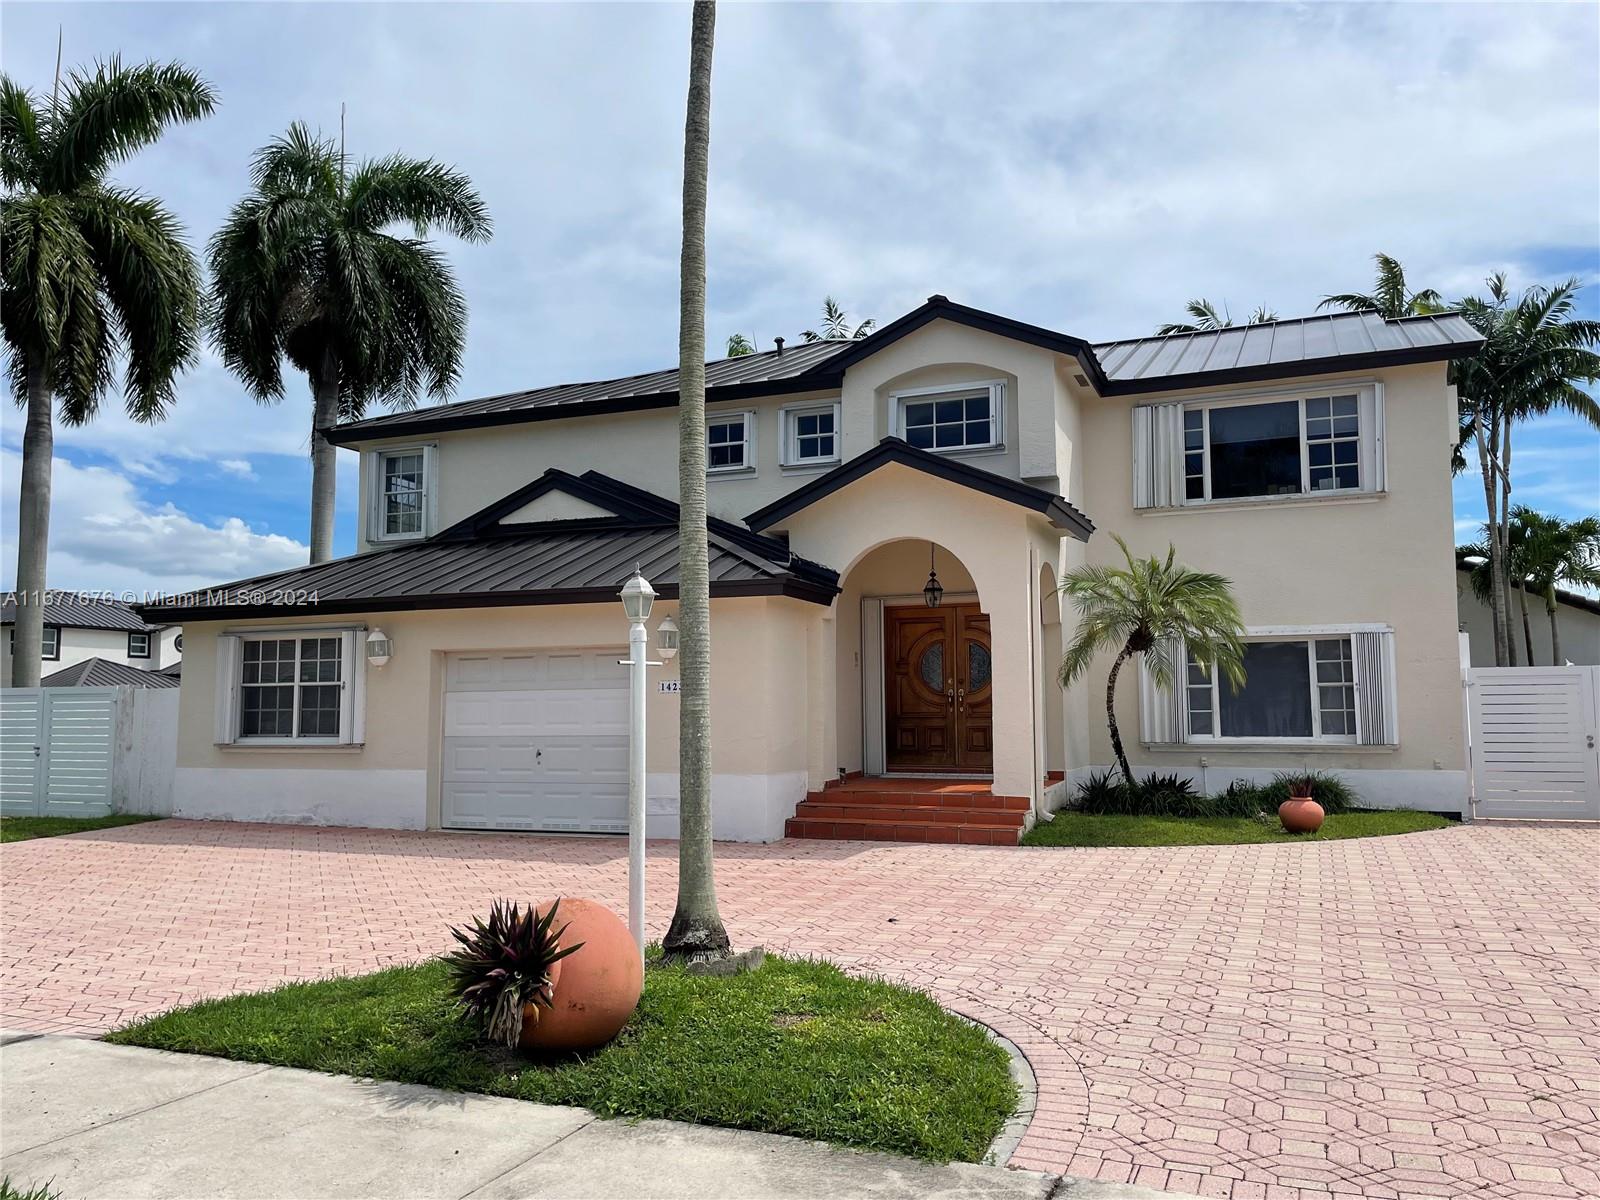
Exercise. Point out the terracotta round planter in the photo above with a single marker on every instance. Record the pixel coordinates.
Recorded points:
(1299, 814)
(595, 990)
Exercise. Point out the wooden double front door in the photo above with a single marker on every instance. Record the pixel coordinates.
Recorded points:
(938, 714)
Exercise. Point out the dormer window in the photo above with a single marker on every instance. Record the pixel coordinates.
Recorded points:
(966, 417)
(138, 645)
(401, 485)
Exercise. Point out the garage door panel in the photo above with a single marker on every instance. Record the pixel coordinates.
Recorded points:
(536, 740)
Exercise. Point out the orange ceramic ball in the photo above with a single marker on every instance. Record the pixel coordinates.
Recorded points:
(596, 989)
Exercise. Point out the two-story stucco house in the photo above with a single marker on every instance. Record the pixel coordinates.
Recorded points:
(1307, 460)
(90, 638)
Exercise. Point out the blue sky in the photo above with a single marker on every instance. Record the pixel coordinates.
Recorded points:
(1084, 167)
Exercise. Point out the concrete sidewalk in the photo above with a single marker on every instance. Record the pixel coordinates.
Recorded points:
(115, 1122)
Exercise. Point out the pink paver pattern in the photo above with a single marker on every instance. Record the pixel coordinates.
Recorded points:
(1413, 1016)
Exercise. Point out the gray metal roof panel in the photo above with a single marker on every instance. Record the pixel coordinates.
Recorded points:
(102, 672)
(1322, 339)
(74, 610)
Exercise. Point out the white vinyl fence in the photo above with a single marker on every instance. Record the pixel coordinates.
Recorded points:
(1534, 734)
(87, 752)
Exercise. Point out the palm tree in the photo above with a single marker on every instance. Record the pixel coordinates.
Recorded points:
(1560, 553)
(305, 268)
(1475, 556)
(1534, 358)
(1389, 297)
(1140, 609)
(739, 346)
(836, 325)
(696, 931)
(1208, 320)
(91, 275)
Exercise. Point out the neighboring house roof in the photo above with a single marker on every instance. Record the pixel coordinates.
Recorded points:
(1271, 350)
(101, 672)
(891, 451)
(73, 610)
(1573, 599)
(1300, 345)
(481, 563)
(175, 670)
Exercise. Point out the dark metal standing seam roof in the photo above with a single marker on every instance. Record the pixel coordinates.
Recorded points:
(562, 562)
(726, 379)
(73, 610)
(1274, 348)
(102, 672)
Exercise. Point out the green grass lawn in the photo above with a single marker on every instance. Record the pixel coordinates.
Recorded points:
(20, 829)
(1081, 829)
(793, 1047)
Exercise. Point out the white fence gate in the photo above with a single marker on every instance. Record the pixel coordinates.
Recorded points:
(1534, 732)
(87, 752)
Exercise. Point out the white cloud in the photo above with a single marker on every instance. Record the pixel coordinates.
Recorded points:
(104, 536)
(238, 467)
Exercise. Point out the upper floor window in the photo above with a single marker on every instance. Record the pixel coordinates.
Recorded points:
(1254, 449)
(50, 645)
(810, 434)
(966, 417)
(731, 442)
(402, 486)
(138, 645)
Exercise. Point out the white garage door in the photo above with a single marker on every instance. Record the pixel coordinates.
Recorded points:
(536, 739)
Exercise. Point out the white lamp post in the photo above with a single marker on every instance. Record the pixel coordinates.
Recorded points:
(637, 596)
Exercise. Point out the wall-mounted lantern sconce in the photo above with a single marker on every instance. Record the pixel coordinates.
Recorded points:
(379, 648)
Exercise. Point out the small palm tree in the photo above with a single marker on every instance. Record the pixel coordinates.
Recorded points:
(1207, 319)
(1140, 609)
(740, 346)
(1389, 297)
(836, 325)
(92, 276)
(1560, 553)
(305, 268)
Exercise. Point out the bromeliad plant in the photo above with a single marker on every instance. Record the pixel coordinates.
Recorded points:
(504, 966)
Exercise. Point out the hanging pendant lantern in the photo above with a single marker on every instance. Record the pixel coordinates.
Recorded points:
(933, 590)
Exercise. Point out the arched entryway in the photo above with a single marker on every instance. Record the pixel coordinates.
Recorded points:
(925, 670)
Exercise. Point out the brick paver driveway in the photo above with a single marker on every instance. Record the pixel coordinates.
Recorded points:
(1408, 1016)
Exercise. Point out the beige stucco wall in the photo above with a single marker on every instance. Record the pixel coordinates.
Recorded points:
(1580, 630)
(1385, 558)
(761, 711)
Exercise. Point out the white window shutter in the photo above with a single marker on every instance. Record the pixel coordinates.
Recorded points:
(353, 692)
(1370, 408)
(226, 701)
(1157, 455)
(1162, 715)
(1377, 720)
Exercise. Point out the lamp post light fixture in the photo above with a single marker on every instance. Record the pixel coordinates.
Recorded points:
(637, 596)
(933, 590)
(379, 647)
(667, 635)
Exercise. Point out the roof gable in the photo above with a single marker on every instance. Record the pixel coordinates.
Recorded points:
(896, 451)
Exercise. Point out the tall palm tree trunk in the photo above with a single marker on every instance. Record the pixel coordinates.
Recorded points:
(697, 930)
(324, 459)
(1111, 712)
(1550, 607)
(1504, 472)
(1497, 608)
(33, 526)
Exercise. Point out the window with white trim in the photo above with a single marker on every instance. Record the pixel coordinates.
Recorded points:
(50, 642)
(138, 645)
(290, 687)
(731, 442)
(1301, 688)
(810, 434)
(967, 417)
(1265, 446)
(402, 490)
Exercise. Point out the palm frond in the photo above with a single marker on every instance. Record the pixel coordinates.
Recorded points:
(419, 192)
(108, 113)
(22, 151)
